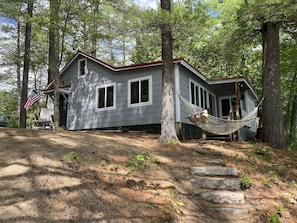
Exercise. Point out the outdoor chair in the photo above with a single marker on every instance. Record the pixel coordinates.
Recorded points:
(45, 119)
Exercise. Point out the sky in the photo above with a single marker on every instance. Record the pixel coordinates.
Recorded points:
(147, 3)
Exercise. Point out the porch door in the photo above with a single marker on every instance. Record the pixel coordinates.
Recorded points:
(63, 111)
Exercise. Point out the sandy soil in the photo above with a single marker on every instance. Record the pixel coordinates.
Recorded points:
(98, 177)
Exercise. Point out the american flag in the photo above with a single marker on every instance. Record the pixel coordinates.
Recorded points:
(33, 97)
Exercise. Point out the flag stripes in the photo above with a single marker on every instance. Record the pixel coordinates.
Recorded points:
(33, 97)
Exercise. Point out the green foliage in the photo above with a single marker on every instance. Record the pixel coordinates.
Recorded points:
(264, 151)
(274, 218)
(141, 161)
(246, 182)
(8, 105)
(294, 184)
(71, 156)
(171, 141)
(266, 181)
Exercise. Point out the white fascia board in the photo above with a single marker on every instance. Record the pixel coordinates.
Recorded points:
(193, 70)
(234, 80)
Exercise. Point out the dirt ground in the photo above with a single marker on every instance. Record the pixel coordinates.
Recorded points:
(93, 176)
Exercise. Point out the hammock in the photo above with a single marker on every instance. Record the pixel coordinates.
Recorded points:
(215, 125)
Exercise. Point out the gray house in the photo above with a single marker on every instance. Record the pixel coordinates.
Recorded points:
(98, 95)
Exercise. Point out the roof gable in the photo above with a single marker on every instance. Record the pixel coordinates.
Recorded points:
(182, 61)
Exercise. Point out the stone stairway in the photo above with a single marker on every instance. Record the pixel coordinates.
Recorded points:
(218, 188)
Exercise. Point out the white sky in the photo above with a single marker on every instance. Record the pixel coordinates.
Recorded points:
(147, 3)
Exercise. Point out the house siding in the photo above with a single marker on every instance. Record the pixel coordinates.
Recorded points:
(82, 113)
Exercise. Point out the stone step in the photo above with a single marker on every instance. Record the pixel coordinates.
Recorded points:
(231, 184)
(212, 162)
(223, 197)
(231, 210)
(214, 171)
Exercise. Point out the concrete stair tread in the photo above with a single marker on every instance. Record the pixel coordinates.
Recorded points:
(214, 171)
(231, 210)
(218, 183)
(223, 197)
(212, 162)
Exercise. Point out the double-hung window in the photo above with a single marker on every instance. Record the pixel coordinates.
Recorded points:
(140, 91)
(106, 97)
(82, 68)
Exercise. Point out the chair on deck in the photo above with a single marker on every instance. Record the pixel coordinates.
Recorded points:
(45, 119)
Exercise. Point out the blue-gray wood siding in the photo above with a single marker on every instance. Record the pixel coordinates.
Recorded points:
(82, 113)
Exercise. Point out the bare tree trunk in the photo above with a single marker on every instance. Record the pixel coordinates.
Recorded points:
(293, 125)
(273, 125)
(23, 112)
(54, 57)
(168, 131)
(18, 70)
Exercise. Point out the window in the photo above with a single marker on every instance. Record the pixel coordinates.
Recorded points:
(140, 91)
(226, 104)
(106, 97)
(212, 104)
(82, 67)
(198, 95)
(194, 93)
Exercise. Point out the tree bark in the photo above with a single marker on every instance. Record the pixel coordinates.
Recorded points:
(168, 131)
(23, 113)
(273, 125)
(293, 125)
(53, 69)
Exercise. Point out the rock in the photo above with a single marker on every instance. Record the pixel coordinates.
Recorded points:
(223, 197)
(218, 183)
(214, 171)
(231, 210)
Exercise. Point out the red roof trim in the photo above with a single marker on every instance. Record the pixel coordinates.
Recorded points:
(121, 67)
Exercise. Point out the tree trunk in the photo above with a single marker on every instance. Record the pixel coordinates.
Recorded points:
(273, 125)
(18, 69)
(54, 57)
(168, 131)
(23, 113)
(293, 125)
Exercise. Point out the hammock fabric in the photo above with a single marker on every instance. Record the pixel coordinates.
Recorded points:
(216, 125)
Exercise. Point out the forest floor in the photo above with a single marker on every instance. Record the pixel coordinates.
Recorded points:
(93, 176)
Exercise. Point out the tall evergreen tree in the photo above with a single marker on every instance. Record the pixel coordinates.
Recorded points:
(53, 67)
(168, 131)
(23, 112)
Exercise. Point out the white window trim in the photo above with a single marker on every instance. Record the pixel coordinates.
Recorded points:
(215, 103)
(220, 104)
(114, 97)
(150, 102)
(199, 94)
(78, 68)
